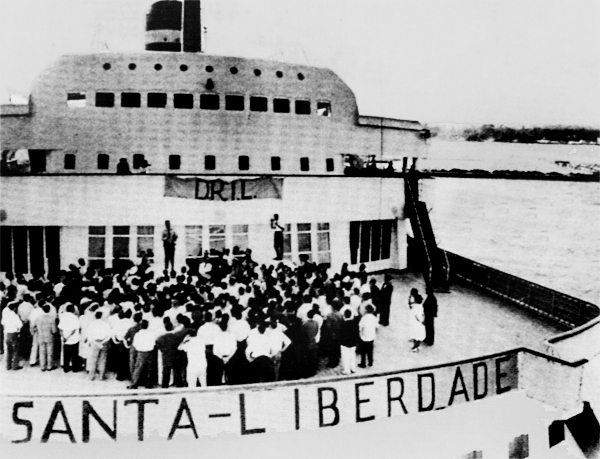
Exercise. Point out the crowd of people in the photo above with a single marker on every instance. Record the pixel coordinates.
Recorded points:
(226, 321)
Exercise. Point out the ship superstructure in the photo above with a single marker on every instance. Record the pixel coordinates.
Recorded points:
(212, 123)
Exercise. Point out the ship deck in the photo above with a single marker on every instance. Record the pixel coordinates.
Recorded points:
(469, 324)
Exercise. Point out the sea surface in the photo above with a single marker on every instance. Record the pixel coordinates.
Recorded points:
(547, 232)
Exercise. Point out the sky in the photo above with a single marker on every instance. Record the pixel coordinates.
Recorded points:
(464, 61)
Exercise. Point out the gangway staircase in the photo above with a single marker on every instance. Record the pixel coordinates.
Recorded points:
(434, 264)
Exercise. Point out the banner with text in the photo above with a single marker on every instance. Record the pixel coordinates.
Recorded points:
(257, 409)
(223, 190)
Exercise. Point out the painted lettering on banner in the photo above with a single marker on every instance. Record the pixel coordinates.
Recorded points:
(223, 190)
(253, 410)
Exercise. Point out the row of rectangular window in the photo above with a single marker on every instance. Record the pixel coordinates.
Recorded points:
(198, 240)
(210, 101)
(210, 162)
(370, 240)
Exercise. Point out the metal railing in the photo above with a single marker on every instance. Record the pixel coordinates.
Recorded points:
(563, 310)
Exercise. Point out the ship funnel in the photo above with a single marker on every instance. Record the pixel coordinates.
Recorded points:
(174, 26)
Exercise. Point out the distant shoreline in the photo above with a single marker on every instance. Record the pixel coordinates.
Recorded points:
(512, 175)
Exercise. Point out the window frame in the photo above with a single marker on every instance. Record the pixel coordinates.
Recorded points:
(183, 96)
(208, 95)
(152, 93)
(253, 98)
(126, 95)
(301, 101)
(102, 94)
(231, 98)
(277, 100)
(73, 102)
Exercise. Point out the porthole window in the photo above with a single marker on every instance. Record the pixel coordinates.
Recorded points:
(233, 70)
(130, 99)
(105, 99)
(183, 68)
(281, 105)
(209, 101)
(234, 102)
(275, 163)
(301, 76)
(210, 162)
(69, 161)
(209, 68)
(138, 160)
(106, 66)
(302, 107)
(304, 164)
(257, 72)
(132, 66)
(324, 108)
(174, 162)
(103, 161)
(329, 164)
(157, 99)
(244, 163)
(76, 100)
(279, 74)
(158, 67)
(258, 104)
(183, 101)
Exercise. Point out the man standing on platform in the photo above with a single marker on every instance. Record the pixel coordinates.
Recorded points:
(169, 238)
(277, 237)
(385, 301)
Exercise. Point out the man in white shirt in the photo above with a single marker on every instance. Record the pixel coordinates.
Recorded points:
(143, 342)
(208, 333)
(98, 334)
(259, 353)
(239, 327)
(69, 329)
(367, 328)
(11, 324)
(304, 308)
(33, 317)
(279, 343)
(225, 346)
(355, 300)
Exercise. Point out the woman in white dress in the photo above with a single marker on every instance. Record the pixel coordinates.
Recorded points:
(416, 319)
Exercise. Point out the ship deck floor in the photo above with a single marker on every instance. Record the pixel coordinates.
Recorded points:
(469, 324)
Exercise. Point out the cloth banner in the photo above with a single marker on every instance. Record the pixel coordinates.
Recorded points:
(221, 190)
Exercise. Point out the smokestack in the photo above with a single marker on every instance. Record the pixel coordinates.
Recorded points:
(174, 26)
(163, 26)
(192, 42)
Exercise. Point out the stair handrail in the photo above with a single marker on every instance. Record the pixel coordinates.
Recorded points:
(420, 227)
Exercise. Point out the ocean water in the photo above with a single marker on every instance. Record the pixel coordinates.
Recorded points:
(489, 156)
(546, 232)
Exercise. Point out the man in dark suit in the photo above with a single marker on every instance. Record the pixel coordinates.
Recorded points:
(430, 310)
(385, 301)
(311, 329)
(167, 344)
